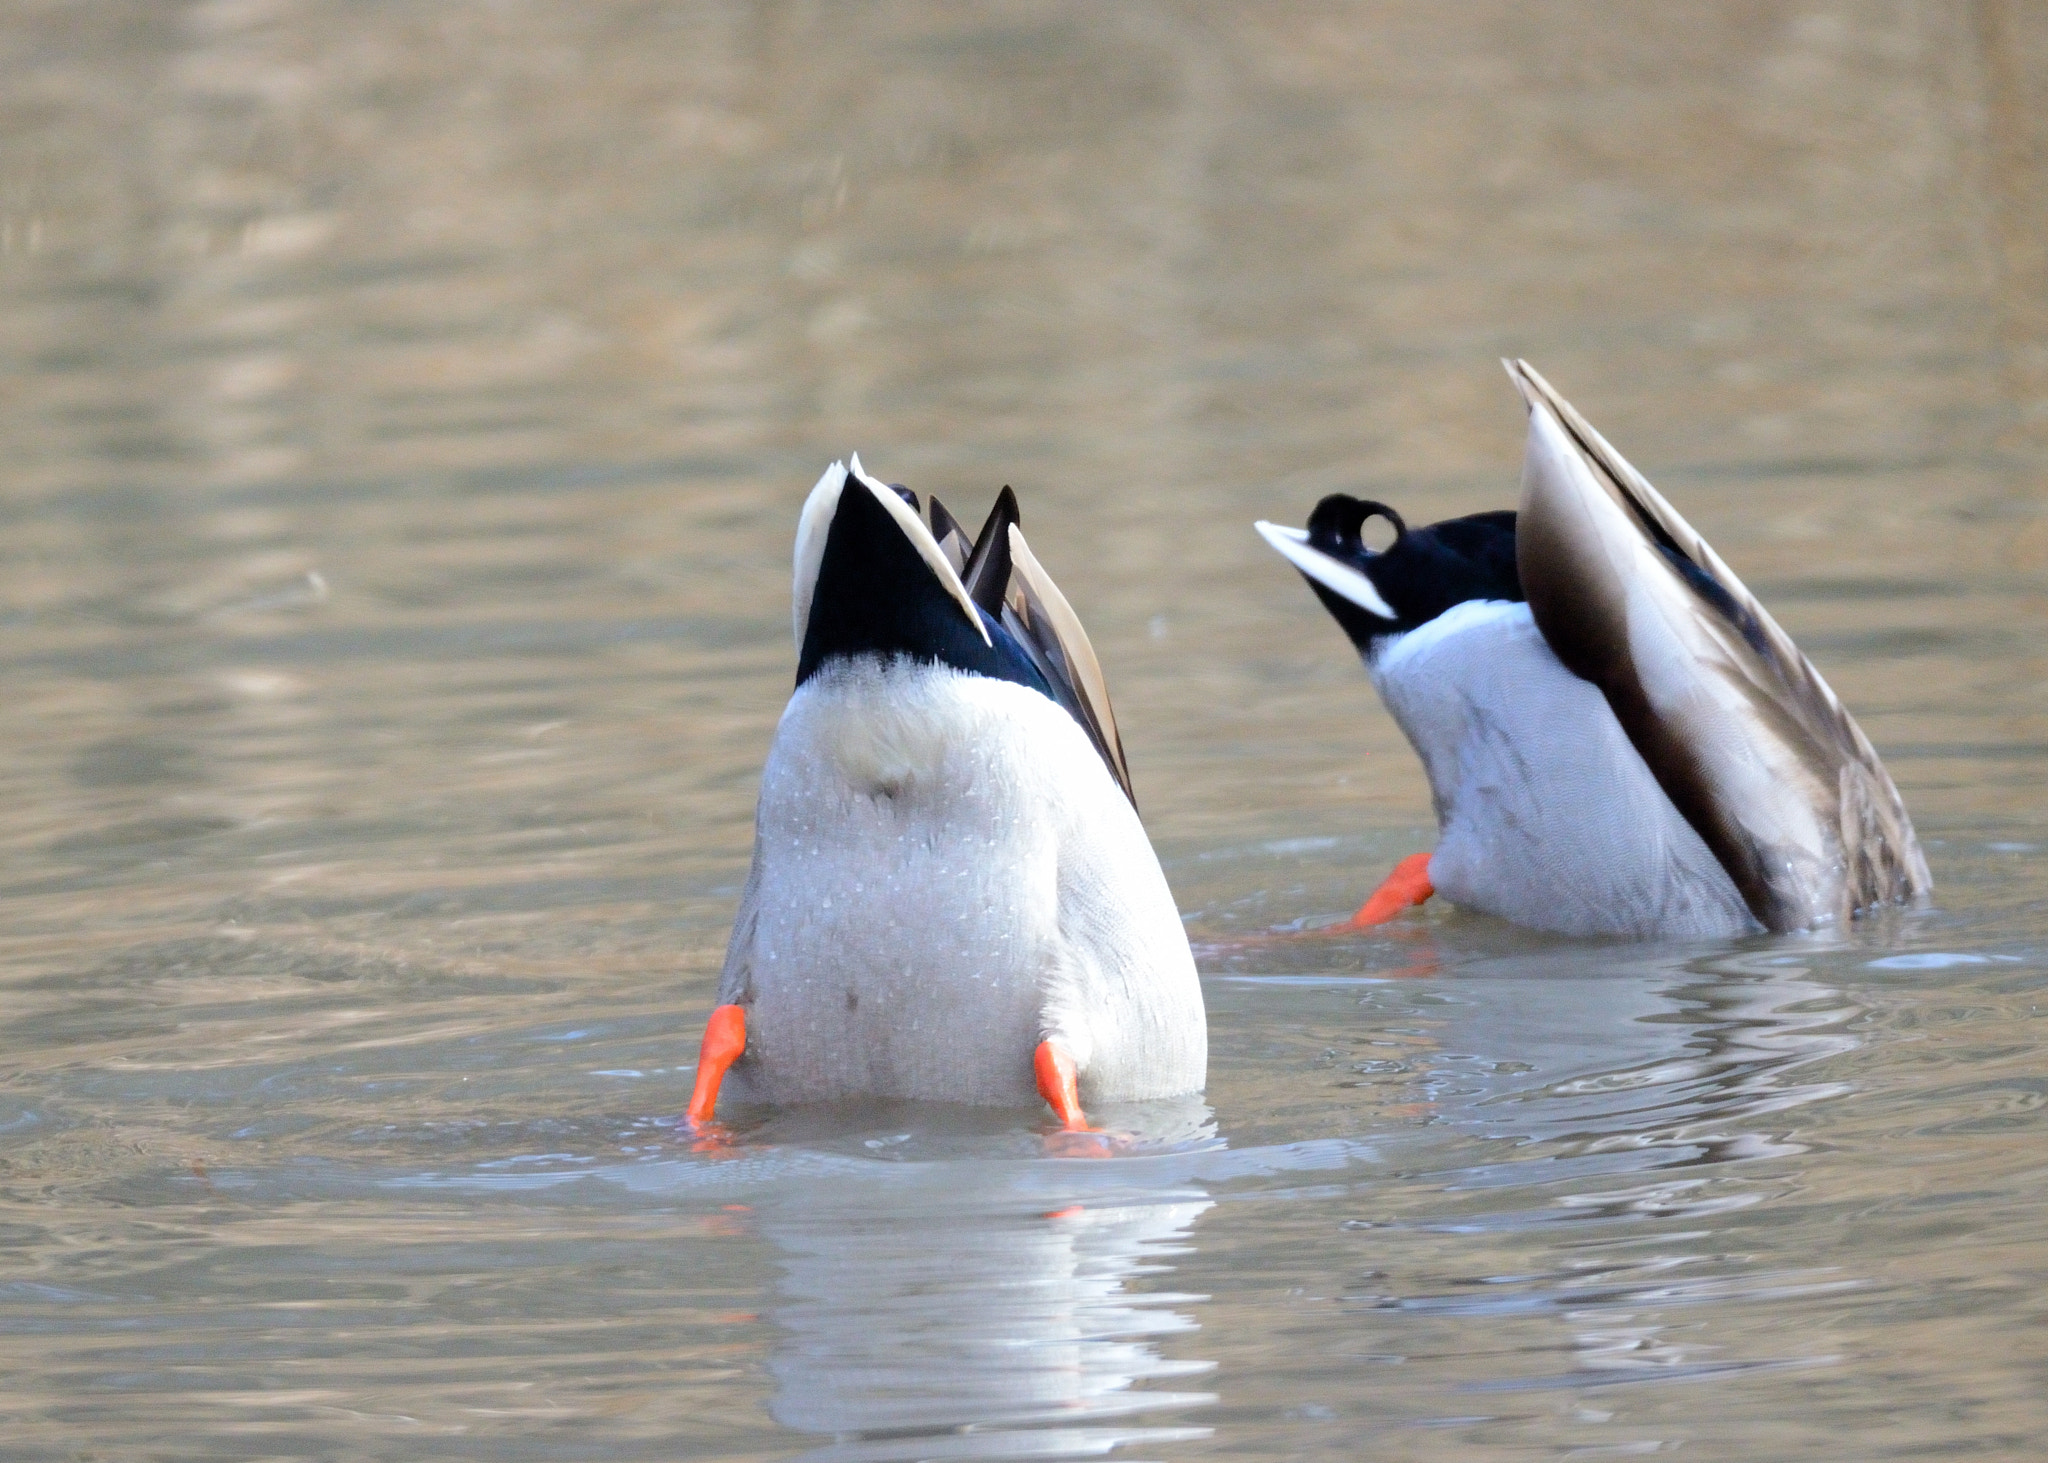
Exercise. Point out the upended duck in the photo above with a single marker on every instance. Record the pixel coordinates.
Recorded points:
(952, 898)
(1619, 738)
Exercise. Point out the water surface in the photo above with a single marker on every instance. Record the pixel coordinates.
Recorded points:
(407, 411)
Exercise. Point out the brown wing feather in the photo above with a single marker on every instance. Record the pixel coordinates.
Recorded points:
(1037, 613)
(1743, 734)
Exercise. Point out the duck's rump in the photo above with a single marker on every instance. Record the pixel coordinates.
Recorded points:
(858, 993)
(1547, 813)
(945, 875)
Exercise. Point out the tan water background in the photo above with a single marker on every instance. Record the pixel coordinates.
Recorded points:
(405, 411)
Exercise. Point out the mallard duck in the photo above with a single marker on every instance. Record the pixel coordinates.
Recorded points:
(1619, 738)
(952, 898)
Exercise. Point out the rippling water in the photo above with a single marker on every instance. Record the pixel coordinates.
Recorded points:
(407, 410)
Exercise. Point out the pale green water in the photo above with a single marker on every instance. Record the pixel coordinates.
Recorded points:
(407, 411)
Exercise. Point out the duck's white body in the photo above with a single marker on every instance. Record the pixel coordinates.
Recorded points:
(1548, 815)
(945, 874)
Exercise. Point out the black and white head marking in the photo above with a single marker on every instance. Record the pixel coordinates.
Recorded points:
(871, 580)
(1378, 594)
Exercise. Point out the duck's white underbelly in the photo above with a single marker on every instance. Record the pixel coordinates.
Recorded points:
(945, 874)
(1548, 815)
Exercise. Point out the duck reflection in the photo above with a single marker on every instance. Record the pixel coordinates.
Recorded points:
(955, 1310)
(1615, 1109)
(1682, 1067)
(1611, 1057)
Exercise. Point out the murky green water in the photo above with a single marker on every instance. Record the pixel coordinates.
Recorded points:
(406, 413)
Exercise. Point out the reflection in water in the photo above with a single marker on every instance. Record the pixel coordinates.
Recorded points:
(1616, 1058)
(1590, 1132)
(1677, 1068)
(919, 1326)
(976, 1304)
(1589, 1139)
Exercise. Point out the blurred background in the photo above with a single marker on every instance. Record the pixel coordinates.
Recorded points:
(406, 411)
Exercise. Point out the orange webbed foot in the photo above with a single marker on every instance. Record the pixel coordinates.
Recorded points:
(1405, 888)
(725, 1040)
(1059, 1085)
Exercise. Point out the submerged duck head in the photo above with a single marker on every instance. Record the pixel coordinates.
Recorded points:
(1377, 595)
